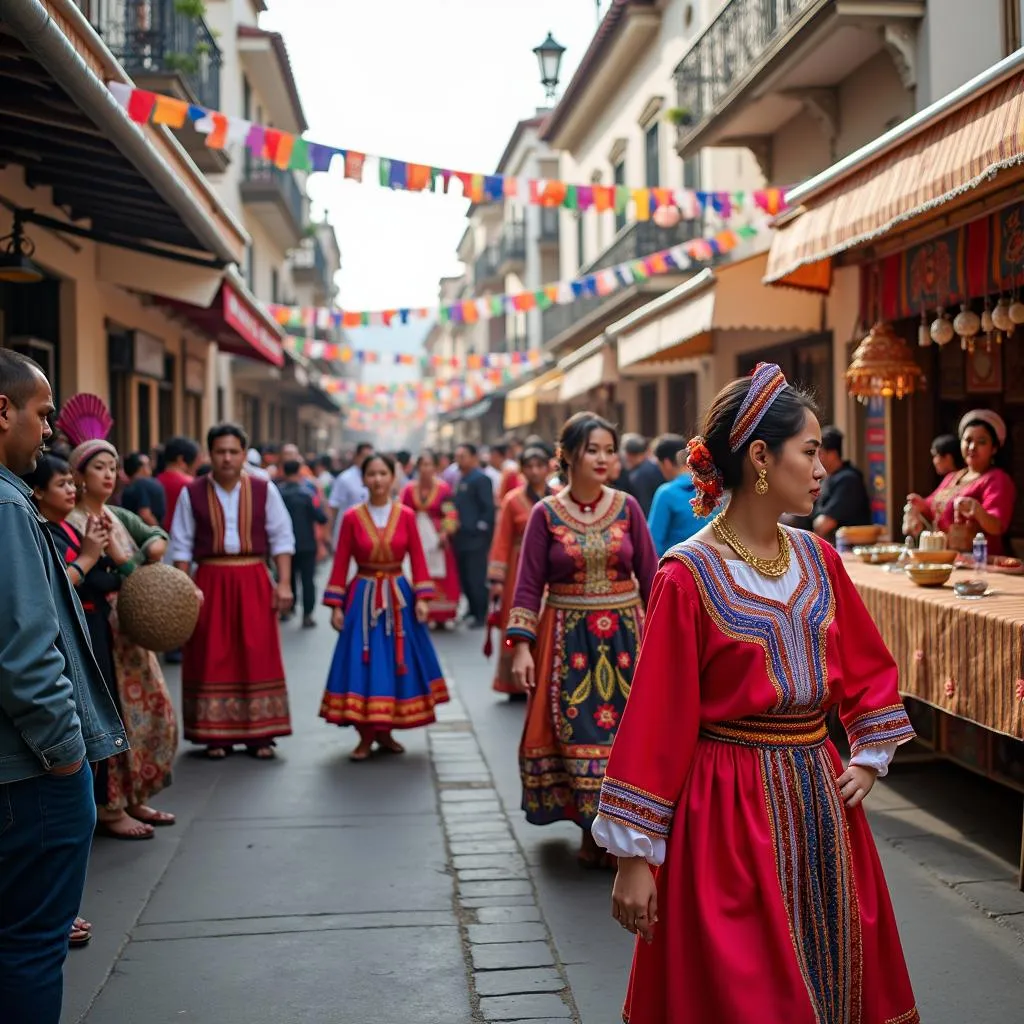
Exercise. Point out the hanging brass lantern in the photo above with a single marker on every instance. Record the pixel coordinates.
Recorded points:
(883, 366)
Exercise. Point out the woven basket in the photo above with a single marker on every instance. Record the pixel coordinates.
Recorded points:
(157, 607)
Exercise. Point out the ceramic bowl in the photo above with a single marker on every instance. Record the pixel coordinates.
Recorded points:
(855, 535)
(925, 575)
(933, 557)
(878, 554)
(971, 588)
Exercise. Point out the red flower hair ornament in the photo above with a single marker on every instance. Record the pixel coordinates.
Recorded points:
(706, 477)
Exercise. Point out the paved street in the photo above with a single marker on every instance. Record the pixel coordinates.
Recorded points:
(410, 890)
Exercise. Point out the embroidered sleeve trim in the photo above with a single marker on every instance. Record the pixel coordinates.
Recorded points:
(878, 728)
(334, 597)
(636, 808)
(523, 623)
(424, 589)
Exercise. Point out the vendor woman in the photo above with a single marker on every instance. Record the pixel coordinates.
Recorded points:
(982, 494)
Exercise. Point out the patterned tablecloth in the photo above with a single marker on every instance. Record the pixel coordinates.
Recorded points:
(963, 657)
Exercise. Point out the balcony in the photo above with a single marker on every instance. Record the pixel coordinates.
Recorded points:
(275, 198)
(487, 267)
(167, 51)
(512, 247)
(635, 241)
(309, 267)
(760, 62)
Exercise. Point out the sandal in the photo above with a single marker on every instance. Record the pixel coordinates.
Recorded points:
(81, 933)
(264, 752)
(103, 829)
(390, 747)
(217, 753)
(358, 754)
(152, 816)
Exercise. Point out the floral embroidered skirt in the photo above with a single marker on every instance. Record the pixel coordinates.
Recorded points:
(584, 661)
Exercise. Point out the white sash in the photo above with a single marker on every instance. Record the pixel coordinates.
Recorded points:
(431, 541)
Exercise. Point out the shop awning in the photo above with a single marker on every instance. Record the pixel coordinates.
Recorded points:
(521, 402)
(948, 149)
(683, 323)
(588, 367)
(237, 322)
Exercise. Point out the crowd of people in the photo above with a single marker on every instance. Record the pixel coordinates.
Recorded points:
(664, 707)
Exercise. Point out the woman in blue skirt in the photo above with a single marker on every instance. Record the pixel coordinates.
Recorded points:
(385, 674)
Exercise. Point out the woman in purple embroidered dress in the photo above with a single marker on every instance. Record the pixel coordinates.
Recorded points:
(590, 546)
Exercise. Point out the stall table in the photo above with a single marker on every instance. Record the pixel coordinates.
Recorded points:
(963, 660)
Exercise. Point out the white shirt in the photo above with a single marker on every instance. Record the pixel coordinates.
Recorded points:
(183, 525)
(494, 475)
(380, 514)
(623, 841)
(347, 492)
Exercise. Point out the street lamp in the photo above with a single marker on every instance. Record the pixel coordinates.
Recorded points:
(549, 56)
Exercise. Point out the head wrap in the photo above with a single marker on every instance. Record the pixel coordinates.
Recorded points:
(87, 450)
(766, 384)
(253, 457)
(986, 416)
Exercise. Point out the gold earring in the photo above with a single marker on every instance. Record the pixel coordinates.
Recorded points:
(761, 487)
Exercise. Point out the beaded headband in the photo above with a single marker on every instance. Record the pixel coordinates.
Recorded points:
(767, 383)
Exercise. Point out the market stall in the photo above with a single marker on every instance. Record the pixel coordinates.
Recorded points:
(961, 666)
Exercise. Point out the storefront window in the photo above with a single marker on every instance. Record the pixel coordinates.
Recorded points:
(647, 399)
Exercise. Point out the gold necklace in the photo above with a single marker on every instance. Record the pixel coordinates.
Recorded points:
(770, 567)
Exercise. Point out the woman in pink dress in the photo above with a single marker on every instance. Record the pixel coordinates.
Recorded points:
(981, 496)
(768, 901)
(431, 499)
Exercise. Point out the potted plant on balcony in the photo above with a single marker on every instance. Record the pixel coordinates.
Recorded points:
(681, 117)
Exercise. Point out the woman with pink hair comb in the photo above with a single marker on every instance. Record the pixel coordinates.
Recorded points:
(124, 784)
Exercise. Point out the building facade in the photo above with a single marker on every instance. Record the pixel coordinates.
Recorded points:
(132, 246)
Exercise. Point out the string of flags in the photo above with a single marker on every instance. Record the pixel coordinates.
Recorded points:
(469, 311)
(292, 152)
(312, 349)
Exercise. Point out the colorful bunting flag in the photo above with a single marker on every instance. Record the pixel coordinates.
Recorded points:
(288, 151)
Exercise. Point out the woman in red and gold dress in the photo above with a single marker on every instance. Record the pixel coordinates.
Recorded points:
(385, 674)
(504, 558)
(768, 903)
(436, 520)
(590, 547)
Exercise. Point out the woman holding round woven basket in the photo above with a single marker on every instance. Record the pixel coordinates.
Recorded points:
(124, 784)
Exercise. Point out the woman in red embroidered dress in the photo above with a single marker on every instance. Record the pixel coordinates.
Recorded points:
(589, 546)
(768, 903)
(431, 499)
(385, 674)
(504, 558)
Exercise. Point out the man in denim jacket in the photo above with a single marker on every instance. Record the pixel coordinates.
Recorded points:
(55, 717)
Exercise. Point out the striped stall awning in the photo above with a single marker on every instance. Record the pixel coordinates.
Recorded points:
(946, 158)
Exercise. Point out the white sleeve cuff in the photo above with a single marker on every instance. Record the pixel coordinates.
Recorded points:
(875, 757)
(622, 841)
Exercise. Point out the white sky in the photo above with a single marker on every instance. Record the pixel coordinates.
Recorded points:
(440, 82)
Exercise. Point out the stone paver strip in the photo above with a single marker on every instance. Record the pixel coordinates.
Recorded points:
(530, 931)
(525, 1007)
(498, 956)
(518, 981)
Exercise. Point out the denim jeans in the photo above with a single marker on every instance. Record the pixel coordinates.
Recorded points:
(46, 828)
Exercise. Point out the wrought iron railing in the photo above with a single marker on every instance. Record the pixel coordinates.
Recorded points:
(263, 172)
(161, 36)
(310, 256)
(730, 48)
(487, 264)
(513, 242)
(640, 239)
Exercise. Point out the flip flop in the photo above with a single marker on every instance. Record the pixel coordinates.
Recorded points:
(264, 752)
(79, 937)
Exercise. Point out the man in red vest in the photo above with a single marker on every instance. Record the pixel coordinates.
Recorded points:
(230, 523)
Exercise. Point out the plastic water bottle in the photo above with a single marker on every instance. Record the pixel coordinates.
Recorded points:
(980, 552)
